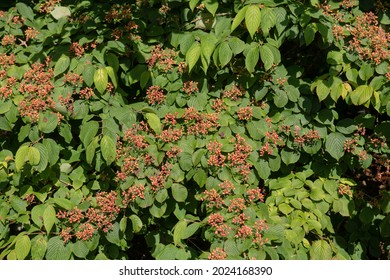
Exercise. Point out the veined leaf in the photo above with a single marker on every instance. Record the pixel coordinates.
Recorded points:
(238, 18)
(49, 217)
(108, 148)
(267, 56)
(100, 78)
(268, 20)
(22, 247)
(179, 231)
(34, 155)
(361, 94)
(310, 32)
(112, 75)
(136, 222)
(225, 53)
(61, 65)
(57, 249)
(253, 19)
(88, 131)
(334, 145)
(193, 55)
(320, 250)
(154, 122)
(21, 157)
(251, 59)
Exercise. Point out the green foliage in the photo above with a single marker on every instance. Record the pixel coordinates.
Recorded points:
(198, 129)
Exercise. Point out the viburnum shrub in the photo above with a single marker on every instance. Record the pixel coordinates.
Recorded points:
(195, 129)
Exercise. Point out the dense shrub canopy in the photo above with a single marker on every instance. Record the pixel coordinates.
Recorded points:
(199, 129)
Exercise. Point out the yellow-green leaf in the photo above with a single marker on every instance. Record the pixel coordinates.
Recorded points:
(320, 250)
(21, 157)
(22, 247)
(179, 231)
(112, 75)
(34, 155)
(100, 78)
(238, 18)
(154, 122)
(211, 6)
(253, 19)
(49, 217)
(361, 94)
(108, 148)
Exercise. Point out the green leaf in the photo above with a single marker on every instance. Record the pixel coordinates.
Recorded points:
(136, 222)
(49, 217)
(61, 65)
(178, 232)
(193, 4)
(251, 59)
(113, 61)
(88, 74)
(190, 230)
(63, 203)
(361, 94)
(366, 72)
(88, 131)
(33, 155)
(207, 44)
(111, 73)
(263, 169)
(25, 11)
(80, 249)
(91, 148)
(268, 20)
(100, 78)
(38, 247)
(322, 90)
(320, 250)
(290, 156)
(114, 235)
(211, 6)
(60, 12)
(253, 19)
(193, 55)
(237, 45)
(44, 157)
(37, 214)
(158, 210)
(310, 32)
(57, 249)
(47, 122)
(285, 208)
(238, 18)
(108, 148)
(267, 56)
(21, 157)
(18, 204)
(334, 144)
(53, 150)
(200, 177)
(280, 98)
(154, 122)
(179, 192)
(225, 53)
(22, 247)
